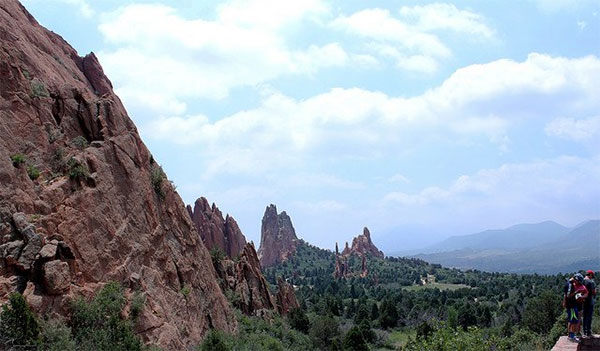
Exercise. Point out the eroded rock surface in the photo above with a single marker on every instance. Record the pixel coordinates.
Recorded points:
(216, 231)
(286, 297)
(363, 245)
(99, 194)
(278, 239)
(246, 283)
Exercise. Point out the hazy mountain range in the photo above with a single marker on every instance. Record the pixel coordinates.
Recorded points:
(545, 248)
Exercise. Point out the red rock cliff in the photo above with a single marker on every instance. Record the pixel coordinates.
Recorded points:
(278, 238)
(82, 202)
(216, 231)
(363, 245)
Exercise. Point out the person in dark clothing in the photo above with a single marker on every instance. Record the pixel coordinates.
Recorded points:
(575, 293)
(588, 305)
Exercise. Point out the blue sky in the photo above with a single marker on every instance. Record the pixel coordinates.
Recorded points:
(416, 119)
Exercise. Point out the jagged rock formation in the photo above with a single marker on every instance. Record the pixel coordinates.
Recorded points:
(82, 201)
(245, 281)
(216, 231)
(341, 266)
(362, 245)
(346, 251)
(278, 239)
(286, 297)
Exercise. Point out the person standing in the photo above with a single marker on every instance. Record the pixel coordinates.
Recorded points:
(575, 292)
(588, 305)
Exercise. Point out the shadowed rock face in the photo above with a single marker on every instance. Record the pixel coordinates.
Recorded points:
(247, 283)
(286, 297)
(100, 209)
(216, 231)
(278, 239)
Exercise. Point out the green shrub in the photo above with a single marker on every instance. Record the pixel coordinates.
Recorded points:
(216, 340)
(80, 142)
(355, 341)
(38, 89)
(137, 304)
(185, 291)
(299, 320)
(33, 172)
(18, 325)
(18, 159)
(217, 255)
(76, 170)
(157, 177)
(97, 324)
(56, 336)
(323, 330)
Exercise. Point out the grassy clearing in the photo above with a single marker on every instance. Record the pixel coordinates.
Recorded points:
(441, 286)
(399, 338)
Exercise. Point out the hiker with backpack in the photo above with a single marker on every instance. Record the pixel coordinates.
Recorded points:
(575, 294)
(588, 305)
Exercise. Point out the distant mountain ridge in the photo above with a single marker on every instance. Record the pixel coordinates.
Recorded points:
(545, 248)
(520, 236)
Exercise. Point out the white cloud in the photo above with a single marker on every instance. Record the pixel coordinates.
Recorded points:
(581, 130)
(399, 178)
(439, 16)
(520, 186)
(378, 24)
(161, 53)
(479, 100)
(410, 39)
(320, 207)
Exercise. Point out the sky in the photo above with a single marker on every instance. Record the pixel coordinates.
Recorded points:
(419, 120)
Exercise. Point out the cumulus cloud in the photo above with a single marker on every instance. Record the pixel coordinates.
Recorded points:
(478, 100)
(398, 178)
(411, 39)
(159, 52)
(581, 130)
(439, 16)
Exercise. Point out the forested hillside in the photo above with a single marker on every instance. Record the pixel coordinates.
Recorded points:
(410, 304)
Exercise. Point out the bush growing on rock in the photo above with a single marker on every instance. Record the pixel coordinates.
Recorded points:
(33, 172)
(77, 171)
(97, 324)
(80, 142)
(18, 325)
(157, 176)
(18, 159)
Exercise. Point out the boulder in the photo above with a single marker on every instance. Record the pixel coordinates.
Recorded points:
(11, 251)
(48, 252)
(57, 277)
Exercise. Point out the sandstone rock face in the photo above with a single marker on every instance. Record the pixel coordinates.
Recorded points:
(286, 297)
(246, 282)
(111, 219)
(362, 245)
(216, 231)
(278, 239)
